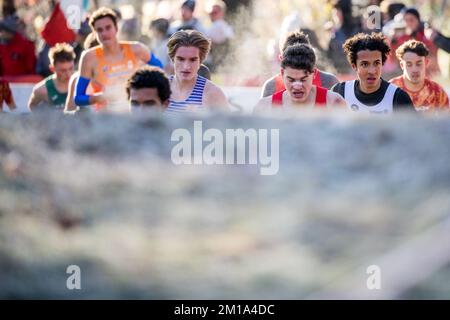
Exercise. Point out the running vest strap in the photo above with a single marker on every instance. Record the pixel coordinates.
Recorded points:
(321, 98)
(56, 98)
(279, 84)
(195, 99)
(384, 106)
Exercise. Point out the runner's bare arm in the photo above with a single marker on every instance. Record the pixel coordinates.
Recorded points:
(38, 95)
(214, 98)
(141, 52)
(263, 105)
(335, 101)
(87, 63)
(87, 73)
(70, 104)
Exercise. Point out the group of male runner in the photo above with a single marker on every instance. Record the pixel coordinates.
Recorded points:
(113, 77)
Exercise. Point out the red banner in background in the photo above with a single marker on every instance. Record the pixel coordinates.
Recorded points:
(56, 29)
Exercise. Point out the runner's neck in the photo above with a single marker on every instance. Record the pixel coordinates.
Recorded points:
(413, 87)
(365, 90)
(60, 84)
(187, 85)
(113, 49)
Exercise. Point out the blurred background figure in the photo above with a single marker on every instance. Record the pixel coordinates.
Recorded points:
(414, 30)
(390, 10)
(345, 26)
(220, 32)
(17, 52)
(159, 34)
(439, 40)
(188, 21)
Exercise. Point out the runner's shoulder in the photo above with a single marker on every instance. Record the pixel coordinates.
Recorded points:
(263, 105)
(434, 84)
(135, 45)
(212, 89)
(269, 87)
(88, 55)
(402, 99)
(40, 87)
(329, 75)
(339, 88)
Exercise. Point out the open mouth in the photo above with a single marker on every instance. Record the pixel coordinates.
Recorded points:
(298, 94)
(371, 80)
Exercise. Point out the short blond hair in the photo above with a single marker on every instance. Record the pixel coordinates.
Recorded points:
(61, 52)
(189, 38)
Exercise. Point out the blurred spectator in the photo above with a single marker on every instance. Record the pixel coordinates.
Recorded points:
(415, 30)
(440, 41)
(390, 10)
(293, 22)
(220, 32)
(129, 29)
(346, 26)
(159, 34)
(43, 62)
(17, 53)
(82, 34)
(188, 21)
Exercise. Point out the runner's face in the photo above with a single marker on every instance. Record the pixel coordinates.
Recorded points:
(414, 67)
(105, 30)
(64, 70)
(368, 68)
(186, 63)
(298, 83)
(145, 99)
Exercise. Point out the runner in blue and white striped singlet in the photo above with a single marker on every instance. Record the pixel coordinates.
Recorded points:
(193, 103)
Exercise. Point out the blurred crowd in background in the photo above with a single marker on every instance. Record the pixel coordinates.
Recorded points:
(29, 28)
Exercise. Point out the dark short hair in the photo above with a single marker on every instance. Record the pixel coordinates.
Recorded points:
(362, 41)
(295, 37)
(101, 13)
(413, 11)
(150, 77)
(414, 46)
(299, 56)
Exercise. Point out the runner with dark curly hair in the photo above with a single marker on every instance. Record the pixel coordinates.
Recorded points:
(369, 93)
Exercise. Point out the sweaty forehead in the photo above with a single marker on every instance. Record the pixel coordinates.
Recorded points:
(64, 64)
(295, 73)
(144, 94)
(103, 22)
(188, 52)
(368, 55)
